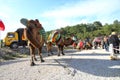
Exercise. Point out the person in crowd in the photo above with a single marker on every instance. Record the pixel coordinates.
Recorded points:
(106, 43)
(87, 39)
(119, 36)
(74, 37)
(114, 40)
(80, 45)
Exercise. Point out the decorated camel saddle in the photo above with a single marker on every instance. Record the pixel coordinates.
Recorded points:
(54, 36)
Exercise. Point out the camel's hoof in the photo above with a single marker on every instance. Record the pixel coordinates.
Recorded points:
(35, 59)
(58, 54)
(42, 60)
(32, 64)
(52, 53)
(49, 55)
(63, 54)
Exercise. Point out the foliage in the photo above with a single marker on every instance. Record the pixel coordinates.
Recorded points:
(90, 30)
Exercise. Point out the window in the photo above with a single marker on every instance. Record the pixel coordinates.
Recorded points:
(11, 35)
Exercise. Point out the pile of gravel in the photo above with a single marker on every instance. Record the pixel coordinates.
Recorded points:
(7, 54)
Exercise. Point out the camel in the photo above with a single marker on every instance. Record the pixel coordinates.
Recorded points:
(34, 33)
(56, 38)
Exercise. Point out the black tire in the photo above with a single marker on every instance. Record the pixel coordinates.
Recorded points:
(14, 46)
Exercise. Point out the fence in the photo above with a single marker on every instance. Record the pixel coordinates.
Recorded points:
(111, 50)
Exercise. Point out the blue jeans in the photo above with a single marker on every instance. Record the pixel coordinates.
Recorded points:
(106, 47)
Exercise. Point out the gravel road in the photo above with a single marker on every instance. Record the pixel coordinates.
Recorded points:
(75, 65)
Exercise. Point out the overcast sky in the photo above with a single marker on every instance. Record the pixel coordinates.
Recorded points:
(54, 14)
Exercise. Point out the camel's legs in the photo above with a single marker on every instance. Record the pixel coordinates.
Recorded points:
(32, 53)
(40, 54)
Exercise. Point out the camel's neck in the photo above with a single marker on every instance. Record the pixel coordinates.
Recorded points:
(68, 42)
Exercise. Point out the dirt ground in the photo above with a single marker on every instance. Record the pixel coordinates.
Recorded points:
(75, 65)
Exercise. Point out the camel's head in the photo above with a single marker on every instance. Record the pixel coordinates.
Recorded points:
(32, 31)
(31, 23)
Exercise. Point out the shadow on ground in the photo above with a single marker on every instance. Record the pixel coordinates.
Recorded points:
(97, 67)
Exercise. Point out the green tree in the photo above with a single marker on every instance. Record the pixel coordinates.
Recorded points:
(98, 25)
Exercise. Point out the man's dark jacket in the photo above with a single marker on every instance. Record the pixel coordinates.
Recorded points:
(114, 40)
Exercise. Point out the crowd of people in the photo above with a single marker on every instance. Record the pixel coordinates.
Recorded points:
(103, 42)
(82, 44)
(111, 43)
(111, 40)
